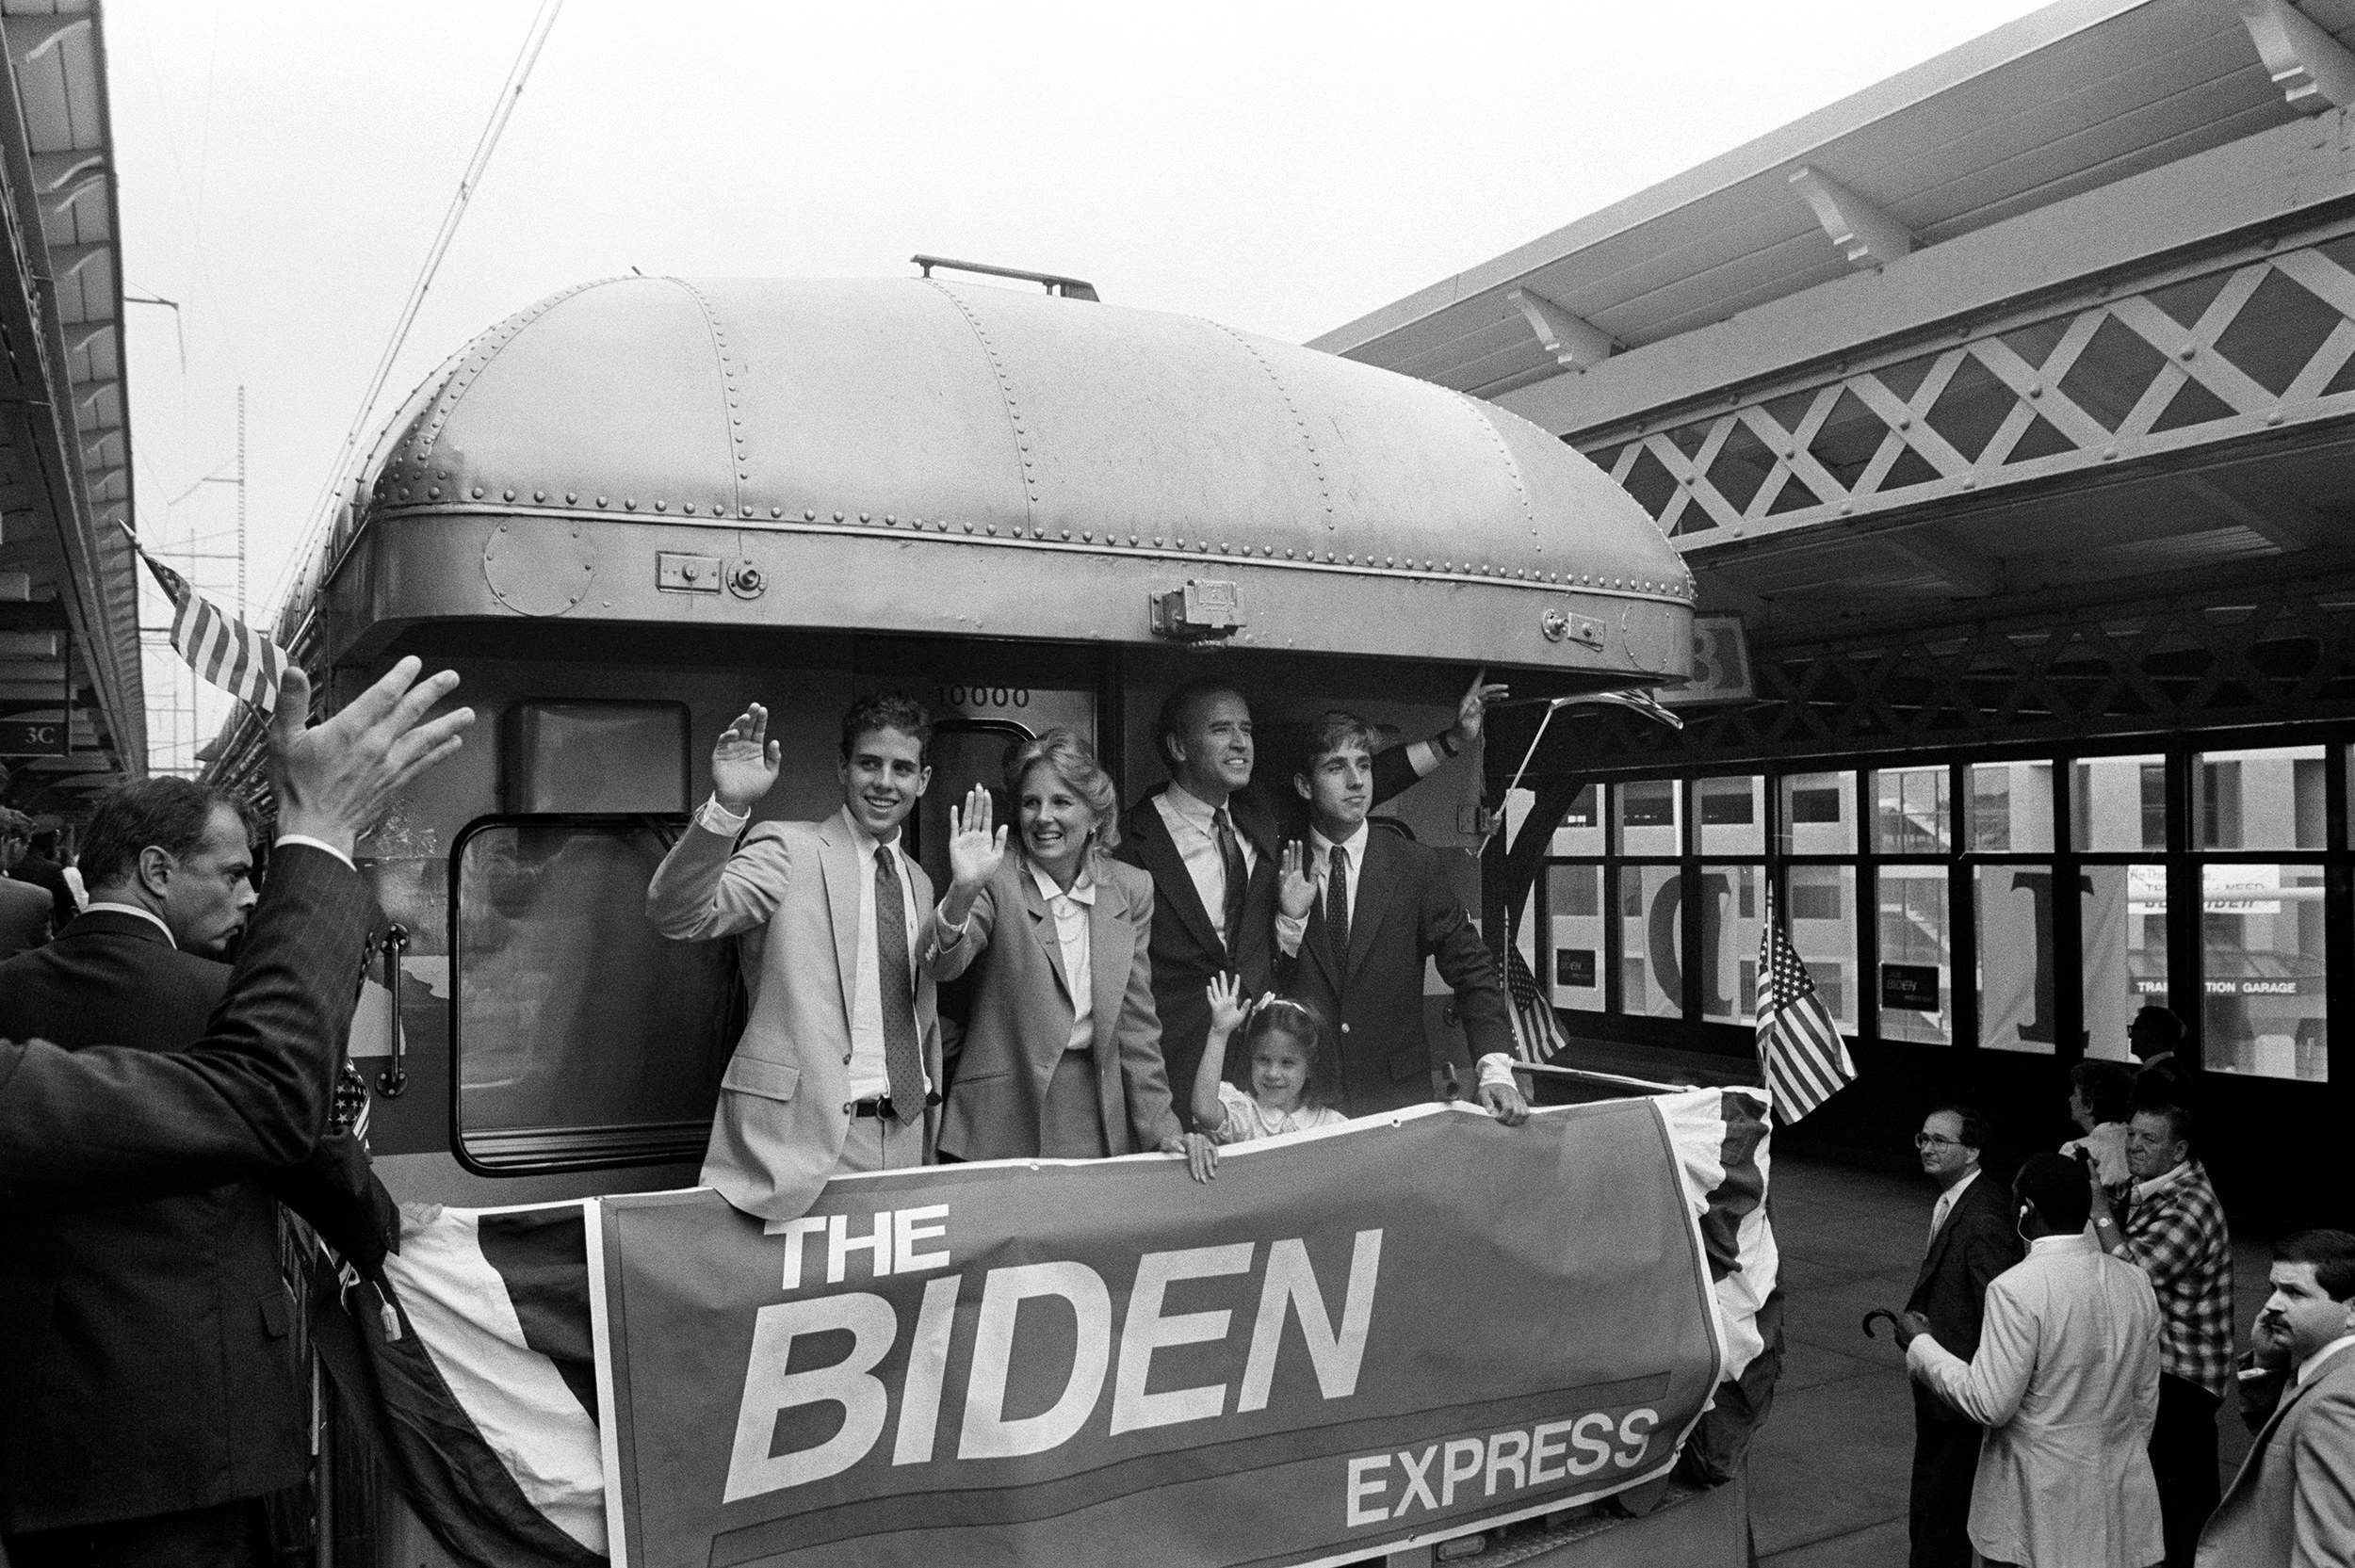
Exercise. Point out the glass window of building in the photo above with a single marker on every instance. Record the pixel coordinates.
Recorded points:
(2011, 808)
(2270, 798)
(2016, 963)
(2119, 805)
(1818, 814)
(1652, 941)
(1916, 956)
(1647, 818)
(1731, 816)
(1573, 953)
(1910, 811)
(2261, 959)
(1821, 918)
(2122, 930)
(1580, 832)
(1732, 901)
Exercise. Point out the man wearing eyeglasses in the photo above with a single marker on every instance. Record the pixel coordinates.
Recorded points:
(1971, 1241)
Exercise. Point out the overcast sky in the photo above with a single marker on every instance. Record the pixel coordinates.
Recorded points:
(1278, 166)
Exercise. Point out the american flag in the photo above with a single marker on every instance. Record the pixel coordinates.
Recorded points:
(1799, 1048)
(221, 647)
(1536, 1031)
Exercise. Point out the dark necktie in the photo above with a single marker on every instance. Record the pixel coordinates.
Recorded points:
(1238, 875)
(903, 1055)
(1337, 910)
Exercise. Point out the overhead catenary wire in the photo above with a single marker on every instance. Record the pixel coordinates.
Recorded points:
(323, 507)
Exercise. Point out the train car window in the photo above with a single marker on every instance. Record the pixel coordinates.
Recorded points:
(596, 758)
(581, 1037)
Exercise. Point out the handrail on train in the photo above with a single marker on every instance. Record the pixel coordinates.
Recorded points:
(1070, 288)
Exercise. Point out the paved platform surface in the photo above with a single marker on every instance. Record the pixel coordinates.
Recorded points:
(1830, 1470)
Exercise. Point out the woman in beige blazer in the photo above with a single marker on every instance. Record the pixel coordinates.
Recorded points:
(1062, 1057)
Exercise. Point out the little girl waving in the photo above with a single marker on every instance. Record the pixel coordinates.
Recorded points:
(1287, 1043)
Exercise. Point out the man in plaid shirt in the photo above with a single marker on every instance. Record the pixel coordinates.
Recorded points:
(2174, 1232)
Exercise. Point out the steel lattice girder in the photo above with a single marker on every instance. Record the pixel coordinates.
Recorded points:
(2193, 358)
(2281, 653)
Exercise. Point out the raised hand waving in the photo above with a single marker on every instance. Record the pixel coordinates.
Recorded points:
(744, 761)
(975, 852)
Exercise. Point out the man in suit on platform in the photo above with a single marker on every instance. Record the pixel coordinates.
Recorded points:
(82, 1130)
(2292, 1503)
(1359, 912)
(1209, 841)
(152, 1367)
(26, 917)
(838, 1066)
(1973, 1240)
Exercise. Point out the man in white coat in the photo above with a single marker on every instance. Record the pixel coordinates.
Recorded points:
(2067, 1382)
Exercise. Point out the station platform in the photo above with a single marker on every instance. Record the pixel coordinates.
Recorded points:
(1829, 1471)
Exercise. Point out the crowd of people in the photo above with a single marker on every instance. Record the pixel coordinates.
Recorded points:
(1100, 961)
(1218, 963)
(2071, 1343)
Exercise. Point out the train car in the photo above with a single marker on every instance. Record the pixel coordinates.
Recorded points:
(633, 509)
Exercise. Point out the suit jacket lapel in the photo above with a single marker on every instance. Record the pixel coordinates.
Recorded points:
(1377, 872)
(1109, 952)
(837, 861)
(1043, 931)
(1173, 883)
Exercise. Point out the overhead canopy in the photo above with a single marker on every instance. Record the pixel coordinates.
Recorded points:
(906, 455)
(70, 687)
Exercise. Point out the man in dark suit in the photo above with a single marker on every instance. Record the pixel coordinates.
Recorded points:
(1209, 841)
(1971, 1241)
(1359, 912)
(26, 921)
(82, 1130)
(38, 868)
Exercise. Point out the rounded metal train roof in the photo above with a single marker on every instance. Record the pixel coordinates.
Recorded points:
(1019, 438)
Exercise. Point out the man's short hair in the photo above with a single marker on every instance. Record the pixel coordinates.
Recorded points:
(2180, 1124)
(2056, 1185)
(2107, 1087)
(15, 824)
(166, 814)
(1973, 1134)
(2165, 1019)
(887, 710)
(1337, 731)
(2332, 1252)
(1178, 710)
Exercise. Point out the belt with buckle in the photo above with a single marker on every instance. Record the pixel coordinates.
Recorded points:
(882, 1106)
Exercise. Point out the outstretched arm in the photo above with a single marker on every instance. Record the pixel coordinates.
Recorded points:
(1227, 1011)
(108, 1124)
(1400, 767)
(707, 885)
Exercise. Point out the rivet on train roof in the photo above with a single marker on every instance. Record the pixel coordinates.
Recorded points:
(478, 492)
(968, 527)
(509, 496)
(748, 511)
(992, 531)
(433, 495)
(571, 496)
(890, 519)
(601, 501)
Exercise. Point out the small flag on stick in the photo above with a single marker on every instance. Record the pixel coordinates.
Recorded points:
(1799, 1049)
(1536, 1031)
(221, 649)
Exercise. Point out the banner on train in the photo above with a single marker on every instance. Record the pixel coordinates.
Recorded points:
(1397, 1332)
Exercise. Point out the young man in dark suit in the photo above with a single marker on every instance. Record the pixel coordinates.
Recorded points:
(1971, 1241)
(148, 1394)
(1209, 841)
(1359, 912)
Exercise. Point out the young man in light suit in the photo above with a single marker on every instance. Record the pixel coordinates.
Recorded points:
(839, 1063)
